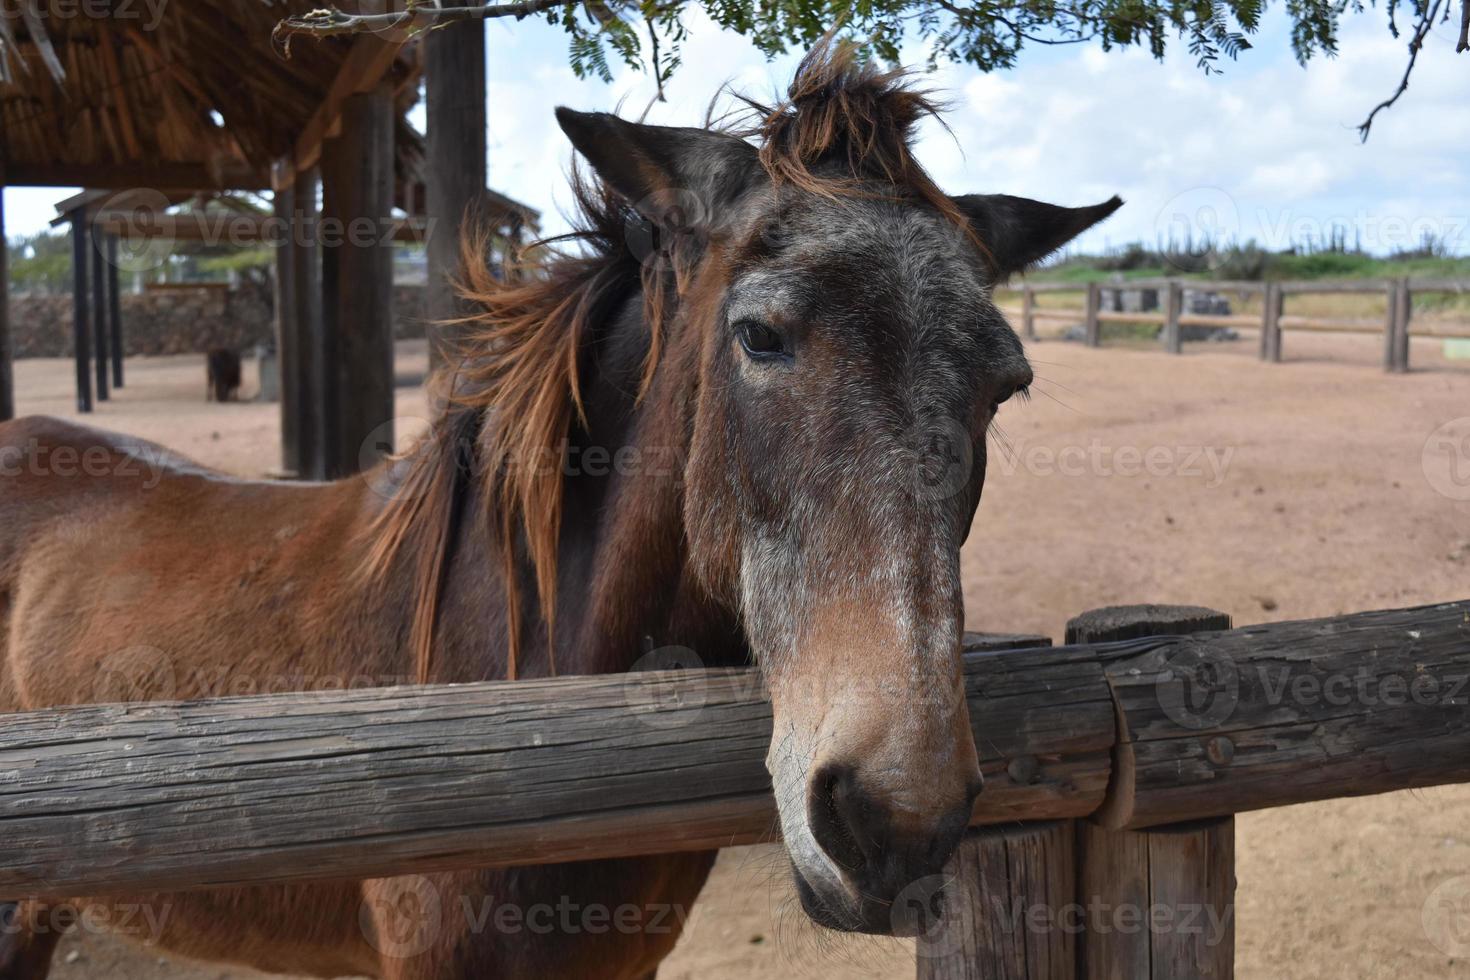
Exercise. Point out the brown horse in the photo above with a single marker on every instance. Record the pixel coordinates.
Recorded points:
(747, 418)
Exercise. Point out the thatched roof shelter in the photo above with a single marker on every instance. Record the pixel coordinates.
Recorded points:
(146, 103)
(193, 95)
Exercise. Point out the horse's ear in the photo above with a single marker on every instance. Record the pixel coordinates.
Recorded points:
(668, 173)
(1019, 231)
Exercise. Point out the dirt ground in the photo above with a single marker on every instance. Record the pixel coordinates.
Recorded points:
(1268, 491)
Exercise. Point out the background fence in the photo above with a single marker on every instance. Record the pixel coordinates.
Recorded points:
(1395, 327)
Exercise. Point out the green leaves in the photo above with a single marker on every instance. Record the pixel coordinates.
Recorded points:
(647, 34)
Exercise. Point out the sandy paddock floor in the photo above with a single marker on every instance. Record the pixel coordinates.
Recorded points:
(1271, 492)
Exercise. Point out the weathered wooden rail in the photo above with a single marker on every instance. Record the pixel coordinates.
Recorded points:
(1113, 767)
(1399, 295)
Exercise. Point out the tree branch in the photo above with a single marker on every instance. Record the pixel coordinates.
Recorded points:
(1464, 44)
(418, 15)
(1421, 30)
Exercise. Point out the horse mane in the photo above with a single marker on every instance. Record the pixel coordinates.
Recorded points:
(513, 392)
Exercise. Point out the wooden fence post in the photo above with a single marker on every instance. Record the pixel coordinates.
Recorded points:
(1173, 308)
(1007, 907)
(1028, 312)
(1403, 320)
(1159, 903)
(1092, 325)
(1391, 326)
(1272, 305)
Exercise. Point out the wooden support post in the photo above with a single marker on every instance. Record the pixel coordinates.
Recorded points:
(357, 284)
(1173, 308)
(306, 322)
(114, 312)
(1007, 908)
(1028, 312)
(99, 311)
(1092, 325)
(288, 355)
(80, 321)
(1176, 884)
(454, 90)
(1273, 304)
(7, 371)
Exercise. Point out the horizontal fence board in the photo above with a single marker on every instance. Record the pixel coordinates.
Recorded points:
(1287, 713)
(112, 798)
(1334, 286)
(1112, 316)
(1220, 320)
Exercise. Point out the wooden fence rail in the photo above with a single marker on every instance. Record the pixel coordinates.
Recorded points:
(111, 798)
(1272, 322)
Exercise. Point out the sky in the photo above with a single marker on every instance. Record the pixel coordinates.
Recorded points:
(1266, 151)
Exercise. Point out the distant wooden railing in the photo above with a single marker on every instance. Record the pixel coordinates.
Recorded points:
(1271, 322)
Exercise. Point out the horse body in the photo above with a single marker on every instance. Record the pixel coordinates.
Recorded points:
(252, 587)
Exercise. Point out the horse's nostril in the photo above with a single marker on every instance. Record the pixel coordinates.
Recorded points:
(832, 805)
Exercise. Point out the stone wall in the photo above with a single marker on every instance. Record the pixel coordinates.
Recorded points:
(179, 321)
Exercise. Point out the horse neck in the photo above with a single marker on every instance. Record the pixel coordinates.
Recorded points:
(624, 582)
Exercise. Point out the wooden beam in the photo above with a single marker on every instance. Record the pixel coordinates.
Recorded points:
(306, 280)
(80, 318)
(7, 368)
(365, 759)
(114, 312)
(288, 352)
(364, 67)
(106, 42)
(357, 285)
(166, 176)
(331, 785)
(455, 181)
(100, 330)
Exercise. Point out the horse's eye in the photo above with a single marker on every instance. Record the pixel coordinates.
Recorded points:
(760, 340)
